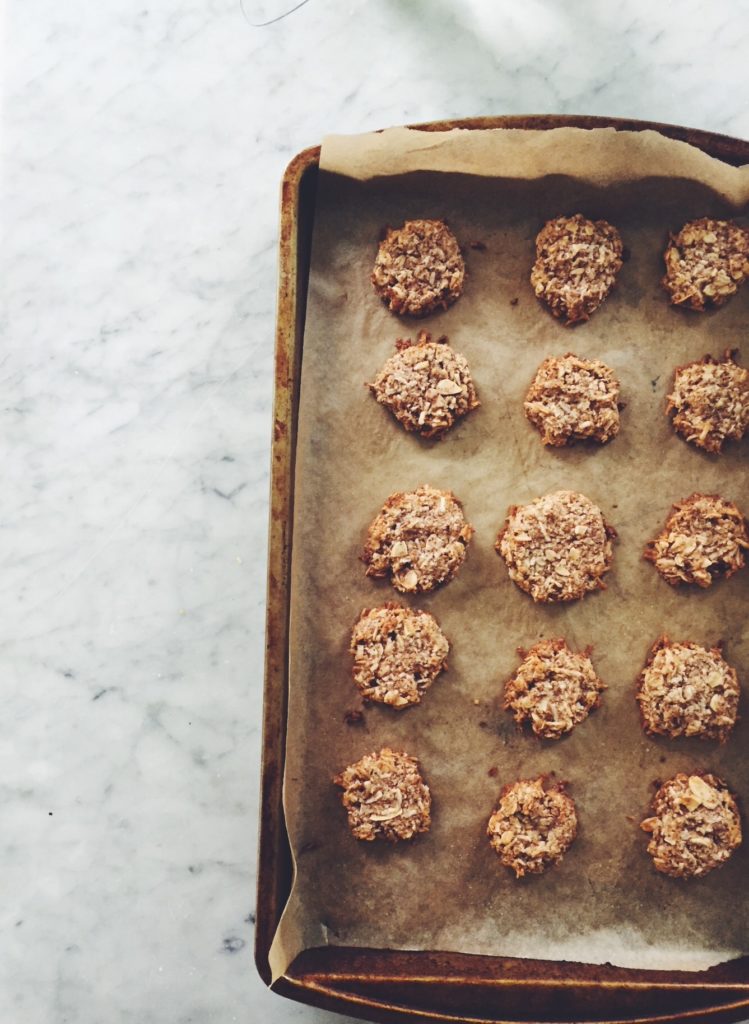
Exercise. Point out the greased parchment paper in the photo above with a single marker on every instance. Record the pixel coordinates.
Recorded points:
(447, 890)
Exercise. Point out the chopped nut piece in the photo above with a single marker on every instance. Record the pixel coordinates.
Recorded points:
(574, 399)
(427, 386)
(704, 539)
(688, 690)
(533, 827)
(385, 797)
(695, 825)
(710, 401)
(577, 261)
(398, 653)
(419, 268)
(433, 528)
(553, 689)
(705, 263)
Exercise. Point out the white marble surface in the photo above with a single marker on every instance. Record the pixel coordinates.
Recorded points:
(142, 147)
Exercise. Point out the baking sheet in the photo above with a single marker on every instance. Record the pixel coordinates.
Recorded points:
(447, 890)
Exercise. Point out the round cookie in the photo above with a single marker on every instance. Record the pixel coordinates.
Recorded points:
(426, 386)
(558, 547)
(704, 539)
(532, 827)
(398, 653)
(695, 825)
(419, 539)
(710, 401)
(573, 399)
(577, 261)
(385, 797)
(419, 268)
(554, 689)
(687, 690)
(705, 263)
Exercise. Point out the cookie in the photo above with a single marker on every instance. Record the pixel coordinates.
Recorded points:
(554, 689)
(533, 826)
(573, 399)
(710, 401)
(577, 261)
(687, 690)
(695, 825)
(385, 797)
(426, 386)
(419, 539)
(704, 539)
(705, 263)
(419, 268)
(557, 548)
(398, 653)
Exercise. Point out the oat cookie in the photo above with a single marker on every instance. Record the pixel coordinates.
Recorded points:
(557, 548)
(533, 826)
(710, 401)
(419, 539)
(419, 268)
(695, 825)
(687, 690)
(426, 386)
(553, 689)
(385, 797)
(705, 263)
(398, 653)
(704, 539)
(573, 399)
(577, 261)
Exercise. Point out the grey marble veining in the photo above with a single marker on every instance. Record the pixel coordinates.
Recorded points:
(142, 148)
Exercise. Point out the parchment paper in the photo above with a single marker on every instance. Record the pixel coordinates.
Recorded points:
(447, 890)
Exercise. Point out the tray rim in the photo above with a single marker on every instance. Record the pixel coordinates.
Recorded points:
(311, 978)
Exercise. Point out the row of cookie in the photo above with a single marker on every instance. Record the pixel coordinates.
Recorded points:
(694, 822)
(556, 548)
(428, 387)
(419, 267)
(685, 689)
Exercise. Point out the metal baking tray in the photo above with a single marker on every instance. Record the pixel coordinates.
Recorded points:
(390, 985)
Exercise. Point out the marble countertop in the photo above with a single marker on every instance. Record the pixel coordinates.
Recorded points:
(142, 148)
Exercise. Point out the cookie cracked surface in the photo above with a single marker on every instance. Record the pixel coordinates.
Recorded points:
(704, 539)
(554, 689)
(705, 263)
(419, 268)
(695, 825)
(577, 261)
(533, 826)
(558, 547)
(427, 386)
(709, 401)
(688, 690)
(419, 539)
(385, 797)
(573, 399)
(398, 653)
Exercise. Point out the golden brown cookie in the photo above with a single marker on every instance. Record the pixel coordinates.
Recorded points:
(426, 386)
(695, 825)
(533, 826)
(704, 539)
(554, 689)
(419, 539)
(419, 268)
(577, 261)
(573, 399)
(705, 263)
(688, 690)
(710, 401)
(558, 547)
(398, 653)
(385, 797)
